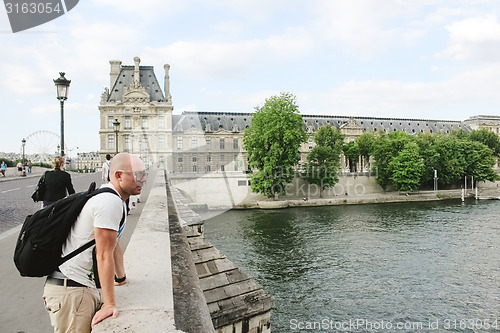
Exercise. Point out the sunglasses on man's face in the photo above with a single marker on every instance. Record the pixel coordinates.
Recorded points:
(139, 176)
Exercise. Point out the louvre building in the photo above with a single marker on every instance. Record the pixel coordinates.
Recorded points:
(136, 116)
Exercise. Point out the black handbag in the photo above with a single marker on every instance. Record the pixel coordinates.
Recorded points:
(39, 190)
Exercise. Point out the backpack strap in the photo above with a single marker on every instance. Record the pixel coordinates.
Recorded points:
(92, 242)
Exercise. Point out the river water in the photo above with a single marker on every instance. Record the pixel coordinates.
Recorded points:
(406, 267)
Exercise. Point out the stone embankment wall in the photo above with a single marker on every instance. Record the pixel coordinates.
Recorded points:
(225, 190)
(232, 190)
(236, 302)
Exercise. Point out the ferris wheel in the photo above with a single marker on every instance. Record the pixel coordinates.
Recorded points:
(42, 146)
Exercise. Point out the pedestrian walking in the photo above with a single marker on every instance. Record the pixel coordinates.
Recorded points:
(20, 169)
(57, 182)
(105, 169)
(29, 166)
(3, 168)
(70, 294)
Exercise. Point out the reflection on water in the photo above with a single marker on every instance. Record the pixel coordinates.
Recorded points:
(433, 262)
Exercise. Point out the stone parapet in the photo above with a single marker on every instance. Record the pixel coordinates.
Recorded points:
(146, 302)
(190, 307)
(236, 302)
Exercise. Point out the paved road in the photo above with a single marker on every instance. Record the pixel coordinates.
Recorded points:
(15, 197)
(21, 304)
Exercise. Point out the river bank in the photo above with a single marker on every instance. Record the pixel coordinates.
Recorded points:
(371, 198)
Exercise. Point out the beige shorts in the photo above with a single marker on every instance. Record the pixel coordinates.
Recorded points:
(71, 309)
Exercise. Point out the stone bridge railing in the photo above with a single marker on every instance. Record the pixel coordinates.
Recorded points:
(180, 282)
(146, 302)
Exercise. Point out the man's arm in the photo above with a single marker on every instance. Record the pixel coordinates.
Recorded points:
(119, 265)
(105, 244)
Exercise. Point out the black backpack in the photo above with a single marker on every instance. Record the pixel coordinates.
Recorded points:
(39, 244)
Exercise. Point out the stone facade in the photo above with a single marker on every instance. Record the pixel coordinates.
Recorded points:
(87, 161)
(136, 100)
(212, 142)
(491, 123)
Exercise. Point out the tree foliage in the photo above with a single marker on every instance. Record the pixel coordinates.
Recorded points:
(407, 168)
(455, 156)
(323, 162)
(428, 151)
(365, 144)
(351, 153)
(487, 138)
(272, 142)
(386, 147)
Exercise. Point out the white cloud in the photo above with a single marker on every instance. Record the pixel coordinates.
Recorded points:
(21, 81)
(441, 15)
(379, 98)
(44, 110)
(190, 107)
(82, 51)
(254, 99)
(476, 39)
(365, 28)
(222, 60)
(146, 9)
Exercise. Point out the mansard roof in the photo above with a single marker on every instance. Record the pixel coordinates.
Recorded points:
(369, 124)
(147, 79)
(237, 122)
(212, 121)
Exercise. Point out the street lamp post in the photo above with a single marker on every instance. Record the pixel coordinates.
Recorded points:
(24, 144)
(62, 85)
(116, 126)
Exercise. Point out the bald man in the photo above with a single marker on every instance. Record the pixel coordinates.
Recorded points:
(72, 298)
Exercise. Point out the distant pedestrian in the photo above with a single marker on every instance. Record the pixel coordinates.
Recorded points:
(29, 166)
(3, 167)
(105, 169)
(20, 169)
(57, 182)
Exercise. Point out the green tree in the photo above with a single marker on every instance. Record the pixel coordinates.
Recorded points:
(479, 161)
(427, 146)
(351, 153)
(365, 144)
(451, 164)
(385, 148)
(272, 142)
(487, 138)
(323, 161)
(407, 168)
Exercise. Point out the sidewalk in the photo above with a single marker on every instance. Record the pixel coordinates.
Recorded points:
(12, 173)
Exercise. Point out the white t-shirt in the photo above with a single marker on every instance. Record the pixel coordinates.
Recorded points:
(105, 168)
(105, 211)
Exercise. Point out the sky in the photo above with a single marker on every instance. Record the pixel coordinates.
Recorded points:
(423, 59)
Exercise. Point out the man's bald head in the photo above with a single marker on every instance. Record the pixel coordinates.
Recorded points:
(127, 174)
(125, 162)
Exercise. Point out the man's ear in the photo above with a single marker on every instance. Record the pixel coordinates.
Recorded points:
(118, 174)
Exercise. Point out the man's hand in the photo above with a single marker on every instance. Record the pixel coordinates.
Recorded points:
(105, 312)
